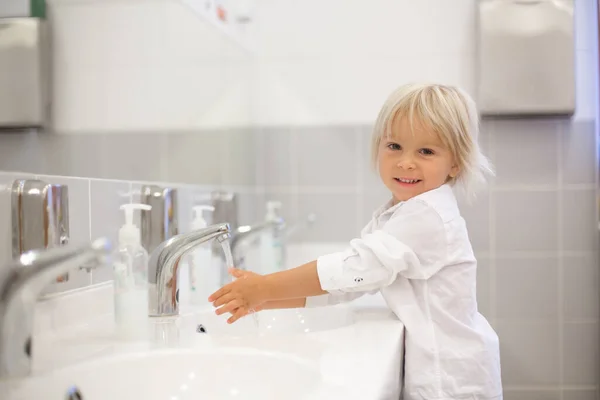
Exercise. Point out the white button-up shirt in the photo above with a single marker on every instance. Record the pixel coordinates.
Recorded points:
(418, 254)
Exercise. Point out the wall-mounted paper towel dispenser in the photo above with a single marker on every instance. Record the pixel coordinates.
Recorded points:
(526, 57)
(25, 73)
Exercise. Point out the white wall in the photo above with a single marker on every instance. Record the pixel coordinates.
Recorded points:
(14, 8)
(152, 64)
(335, 61)
(149, 65)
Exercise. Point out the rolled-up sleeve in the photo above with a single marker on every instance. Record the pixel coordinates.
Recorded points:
(412, 243)
(331, 299)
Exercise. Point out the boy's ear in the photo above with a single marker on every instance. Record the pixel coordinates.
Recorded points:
(454, 171)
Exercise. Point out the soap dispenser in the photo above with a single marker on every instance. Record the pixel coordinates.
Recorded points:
(131, 279)
(201, 271)
(271, 242)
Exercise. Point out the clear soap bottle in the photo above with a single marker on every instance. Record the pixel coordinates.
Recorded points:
(131, 280)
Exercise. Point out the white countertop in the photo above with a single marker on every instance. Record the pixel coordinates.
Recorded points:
(364, 358)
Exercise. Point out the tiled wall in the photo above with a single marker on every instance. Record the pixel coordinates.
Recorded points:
(544, 256)
(213, 157)
(94, 212)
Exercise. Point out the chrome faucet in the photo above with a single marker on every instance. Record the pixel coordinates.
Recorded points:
(21, 282)
(164, 262)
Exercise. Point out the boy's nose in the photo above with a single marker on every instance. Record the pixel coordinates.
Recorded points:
(406, 164)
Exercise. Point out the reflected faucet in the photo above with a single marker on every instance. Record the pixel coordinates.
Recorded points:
(21, 283)
(164, 262)
(246, 233)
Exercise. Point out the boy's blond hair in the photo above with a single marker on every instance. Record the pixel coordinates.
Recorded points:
(450, 113)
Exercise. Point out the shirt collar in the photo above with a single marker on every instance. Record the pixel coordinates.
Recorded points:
(389, 206)
(385, 207)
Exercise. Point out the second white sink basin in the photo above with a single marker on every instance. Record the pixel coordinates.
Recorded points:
(180, 375)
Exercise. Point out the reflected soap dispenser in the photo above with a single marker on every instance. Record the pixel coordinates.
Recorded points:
(271, 242)
(201, 271)
(131, 280)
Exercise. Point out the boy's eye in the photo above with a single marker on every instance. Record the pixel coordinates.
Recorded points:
(393, 146)
(427, 152)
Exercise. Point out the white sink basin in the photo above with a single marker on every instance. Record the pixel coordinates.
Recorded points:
(180, 375)
(270, 322)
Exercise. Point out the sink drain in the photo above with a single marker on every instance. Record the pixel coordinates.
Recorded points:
(200, 328)
(74, 393)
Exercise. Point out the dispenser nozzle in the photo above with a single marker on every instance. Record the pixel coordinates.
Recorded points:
(198, 210)
(128, 208)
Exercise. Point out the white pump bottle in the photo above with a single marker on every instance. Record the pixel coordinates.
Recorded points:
(131, 280)
(204, 278)
(271, 242)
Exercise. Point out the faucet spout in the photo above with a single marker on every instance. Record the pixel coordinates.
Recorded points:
(164, 262)
(21, 282)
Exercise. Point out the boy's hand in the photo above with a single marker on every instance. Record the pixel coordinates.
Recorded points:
(242, 313)
(241, 297)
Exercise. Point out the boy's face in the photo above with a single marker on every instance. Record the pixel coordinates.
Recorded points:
(411, 164)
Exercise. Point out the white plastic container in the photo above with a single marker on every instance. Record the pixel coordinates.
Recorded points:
(272, 252)
(131, 280)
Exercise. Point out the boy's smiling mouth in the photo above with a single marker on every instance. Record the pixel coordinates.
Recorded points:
(406, 181)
